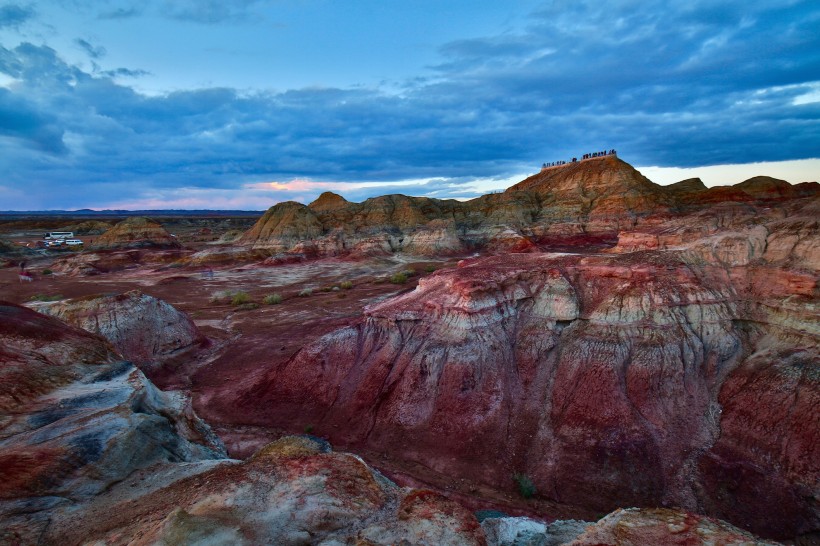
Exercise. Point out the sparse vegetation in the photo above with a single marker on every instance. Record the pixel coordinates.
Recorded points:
(305, 292)
(399, 278)
(47, 272)
(46, 297)
(308, 429)
(272, 299)
(410, 272)
(525, 486)
(346, 285)
(240, 298)
(430, 268)
(250, 306)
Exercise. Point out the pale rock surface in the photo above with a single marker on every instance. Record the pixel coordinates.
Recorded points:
(640, 527)
(142, 328)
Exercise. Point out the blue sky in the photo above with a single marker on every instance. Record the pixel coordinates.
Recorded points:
(209, 104)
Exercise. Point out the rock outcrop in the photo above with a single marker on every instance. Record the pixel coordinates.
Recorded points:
(75, 420)
(663, 526)
(135, 232)
(608, 380)
(144, 329)
(593, 199)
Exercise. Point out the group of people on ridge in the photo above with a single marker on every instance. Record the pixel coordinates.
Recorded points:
(575, 159)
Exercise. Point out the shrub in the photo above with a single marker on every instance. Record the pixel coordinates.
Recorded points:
(399, 278)
(250, 306)
(272, 299)
(430, 268)
(347, 285)
(47, 272)
(410, 272)
(525, 486)
(305, 292)
(240, 298)
(308, 429)
(46, 297)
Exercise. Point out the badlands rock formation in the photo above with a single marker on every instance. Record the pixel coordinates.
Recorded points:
(75, 419)
(143, 329)
(591, 200)
(679, 370)
(92, 452)
(135, 232)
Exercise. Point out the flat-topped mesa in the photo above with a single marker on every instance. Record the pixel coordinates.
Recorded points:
(135, 232)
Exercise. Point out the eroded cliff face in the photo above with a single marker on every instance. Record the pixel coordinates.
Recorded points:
(92, 452)
(645, 378)
(144, 329)
(593, 199)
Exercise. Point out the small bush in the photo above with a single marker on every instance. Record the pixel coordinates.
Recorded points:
(272, 299)
(308, 429)
(46, 297)
(222, 296)
(326, 289)
(346, 285)
(248, 306)
(525, 486)
(399, 278)
(430, 268)
(47, 272)
(305, 292)
(240, 298)
(410, 272)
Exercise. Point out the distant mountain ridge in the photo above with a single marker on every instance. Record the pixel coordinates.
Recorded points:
(591, 198)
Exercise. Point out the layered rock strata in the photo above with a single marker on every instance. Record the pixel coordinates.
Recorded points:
(144, 329)
(592, 199)
(135, 232)
(647, 378)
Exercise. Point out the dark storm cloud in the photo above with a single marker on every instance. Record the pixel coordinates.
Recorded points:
(14, 15)
(700, 84)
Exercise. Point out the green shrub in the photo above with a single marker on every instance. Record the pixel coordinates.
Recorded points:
(410, 272)
(240, 298)
(430, 268)
(250, 306)
(47, 272)
(308, 429)
(525, 486)
(46, 297)
(399, 278)
(305, 292)
(347, 285)
(272, 299)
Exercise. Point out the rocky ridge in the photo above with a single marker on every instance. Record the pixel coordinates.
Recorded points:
(592, 199)
(641, 377)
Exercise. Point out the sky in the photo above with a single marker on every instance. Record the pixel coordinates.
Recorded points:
(157, 104)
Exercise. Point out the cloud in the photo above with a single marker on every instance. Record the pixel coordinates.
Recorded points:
(665, 84)
(15, 15)
(95, 52)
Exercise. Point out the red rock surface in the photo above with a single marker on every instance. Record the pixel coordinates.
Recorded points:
(603, 378)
